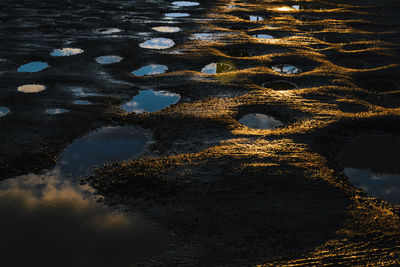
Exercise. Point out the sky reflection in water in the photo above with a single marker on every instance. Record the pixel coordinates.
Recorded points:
(260, 121)
(150, 101)
(52, 214)
(150, 70)
(35, 66)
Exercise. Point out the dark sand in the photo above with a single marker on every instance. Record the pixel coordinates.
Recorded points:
(232, 196)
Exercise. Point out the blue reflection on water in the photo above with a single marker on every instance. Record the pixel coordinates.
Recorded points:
(150, 101)
(54, 111)
(4, 111)
(82, 102)
(108, 59)
(33, 67)
(150, 70)
(101, 146)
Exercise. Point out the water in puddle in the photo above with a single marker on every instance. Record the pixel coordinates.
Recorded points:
(82, 102)
(207, 36)
(280, 85)
(108, 59)
(31, 88)
(185, 3)
(260, 121)
(158, 43)
(152, 69)
(65, 52)
(79, 92)
(107, 31)
(263, 36)
(55, 111)
(286, 69)
(150, 101)
(288, 8)
(384, 186)
(167, 29)
(219, 67)
(51, 213)
(256, 18)
(371, 163)
(177, 15)
(35, 66)
(4, 111)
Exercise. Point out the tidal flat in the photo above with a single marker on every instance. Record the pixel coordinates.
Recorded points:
(199, 133)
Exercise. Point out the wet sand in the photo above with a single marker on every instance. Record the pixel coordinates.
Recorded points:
(229, 194)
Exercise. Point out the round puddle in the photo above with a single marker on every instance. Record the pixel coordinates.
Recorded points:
(255, 18)
(280, 85)
(177, 15)
(31, 88)
(65, 52)
(4, 111)
(158, 43)
(152, 69)
(260, 121)
(371, 163)
(35, 66)
(82, 102)
(104, 145)
(104, 60)
(107, 31)
(219, 67)
(286, 69)
(263, 36)
(167, 29)
(55, 111)
(150, 101)
(185, 3)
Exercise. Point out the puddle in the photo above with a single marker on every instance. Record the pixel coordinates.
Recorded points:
(107, 31)
(219, 67)
(185, 3)
(82, 102)
(280, 85)
(3, 111)
(150, 101)
(158, 43)
(167, 29)
(286, 69)
(383, 186)
(108, 59)
(152, 69)
(177, 15)
(65, 52)
(52, 213)
(263, 36)
(35, 66)
(55, 111)
(31, 88)
(207, 36)
(101, 146)
(79, 92)
(256, 18)
(260, 121)
(288, 8)
(371, 163)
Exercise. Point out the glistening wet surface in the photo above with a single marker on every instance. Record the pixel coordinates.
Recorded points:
(52, 212)
(231, 194)
(150, 101)
(55, 111)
